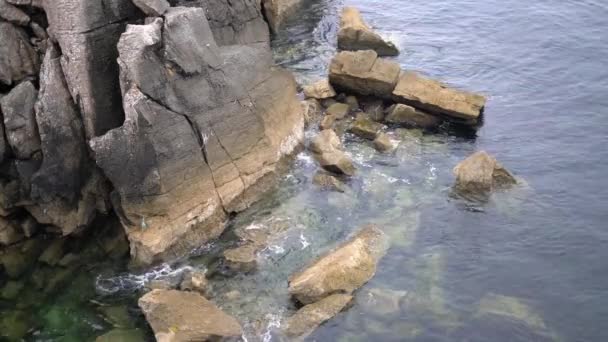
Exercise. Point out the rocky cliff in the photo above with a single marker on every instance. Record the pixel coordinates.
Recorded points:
(169, 117)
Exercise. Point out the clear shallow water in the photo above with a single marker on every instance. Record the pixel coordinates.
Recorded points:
(529, 265)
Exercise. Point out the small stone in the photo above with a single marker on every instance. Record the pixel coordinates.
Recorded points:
(241, 259)
(327, 122)
(326, 141)
(355, 34)
(365, 128)
(319, 90)
(338, 110)
(383, 143)
(337, 162)
(352, 102)
(117, 315)
(309, 317)
(374, 109)
(29, 226)
(195, 281)
(328, 182)
(232, 295)
(409, 116)
(53, 253)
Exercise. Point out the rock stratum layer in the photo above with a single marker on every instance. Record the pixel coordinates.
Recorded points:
(171, 122)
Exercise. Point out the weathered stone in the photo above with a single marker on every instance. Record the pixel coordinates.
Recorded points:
(186, 316)
(195, 281)
(375, 109)
(410, 116)
(319, 90)
(18, 59)
(342, 270)
(436, 97)
(122, 335)
(309, 317)
(53, 253)
(152, 8)
(242, 258)
(355, 34)
(352, 102)
(481, 173)
(277, 11)
(328, 182)
(13, 14)
(381, 302)
(117, 315)
(19, 120)
(365, 128)
(383, 143)
(363, 73)
(325, 141)
(9, 232)
(326, 103)
(338, 110)
(311, 110)
(326, 147)
(327, 122)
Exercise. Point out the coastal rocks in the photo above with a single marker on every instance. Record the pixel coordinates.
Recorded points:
(319, 90)
(195, 281)
(363, 73)
(480, 173)
(408, 116)
(13, 14)
(152, 8)
(277, 11)
(9, 232)
(186, 316)
(326, 181)
(122, 335)
(19, 120)
(18, 58)
(383, 143)
(338, 110)
(327, 122)
(219, 120)
(342, 270)
(311, 109)
(436, 97)
(242, 258)
(326, 147)
(309, 317)
(365, 128)
(355, 34)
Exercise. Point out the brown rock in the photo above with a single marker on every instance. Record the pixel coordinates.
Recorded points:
(410, 116)
(319, 90)
(326, 141)
(186, 316)
(383, 143)
(342, 270)
(481, 173)
(327, 122)
(195, 281)
(355, 34)
(328, 182)
(242, 258)
(277, 11)
(363, 73)
(375, 109)
(309, 317)
(311, 110)
(436, 97)
(338, 110)
(365, 128)
(337, 162)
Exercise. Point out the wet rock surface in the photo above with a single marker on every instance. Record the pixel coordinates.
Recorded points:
(355, 34)
(319, 90)
(481, 173)
(327, 150)
(309, 317)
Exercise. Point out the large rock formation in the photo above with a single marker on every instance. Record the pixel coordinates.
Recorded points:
(186, 316)
(355, 34)
(203, 124)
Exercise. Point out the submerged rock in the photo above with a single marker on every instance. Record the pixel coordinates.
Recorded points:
(187, 316)
(511, 308)
(363, 73)
(9, 232)
(338, 110)
(327, 150)
(328, 182)
(381, 302)
(365, 128)
(319, 90)
(327, 123)
(436, 97)
(405, 115)
(383, 143)
(481, 173)
(374, 109)
(342, 270)
(309, 317)
(242, 258)
(355, 34)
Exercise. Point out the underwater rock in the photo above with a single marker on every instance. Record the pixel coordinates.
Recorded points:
(511, 308)
(342, 270)
(21, 257)
(405, 115)
(14, 325)
(383, 143)
(195, 281)
(363, 73)
(188, 316)
(11, 289)
(311, 110)
(481, 173)
(355, 34)
(365, 128)
(117, 315)
(152, 8)
(326, 181)
(319, 90)
(122, 335)
(338, 110)
(9, 232)
(374, 108)
(436, 97)
(242, 258)
(53, 253)
(309, 317)
(327, 150)
(381, 302)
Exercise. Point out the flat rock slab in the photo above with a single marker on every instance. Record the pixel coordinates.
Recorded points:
(436, 97)
(409, 116)
(309, 317)
(355, 34)
(186, 316)
(363, 73)
(342, 270)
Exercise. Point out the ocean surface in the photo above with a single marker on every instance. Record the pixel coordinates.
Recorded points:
(530, 264)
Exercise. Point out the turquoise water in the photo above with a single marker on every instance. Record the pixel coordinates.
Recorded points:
(528, 265)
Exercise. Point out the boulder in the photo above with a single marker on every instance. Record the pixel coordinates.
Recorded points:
(383, 143)
(319, 90)
(326, 181)
(409, 116)
(342, 270)
(355, 34)
(363, 73)
(327, 122)
(437, 98)
(18, 59)
(187, 316)
(152, 8)
(326, 141)
(326, 103)
(326, 148)
(219, 120)
(309, 317)
(365, 128)
(481, 173)
(19, 120)
(352, 102)
(338, 110)
(277, 11)
(13, 14)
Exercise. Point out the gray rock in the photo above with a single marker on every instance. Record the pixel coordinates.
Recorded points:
(409, 116)
(327, 122)
(481, 173)
(13, 14)
(309, 317)
(186, 316)
(9, 232)
(18, 59)
(355, 34)
(20, 121)
(363, 73)
(152, 8)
